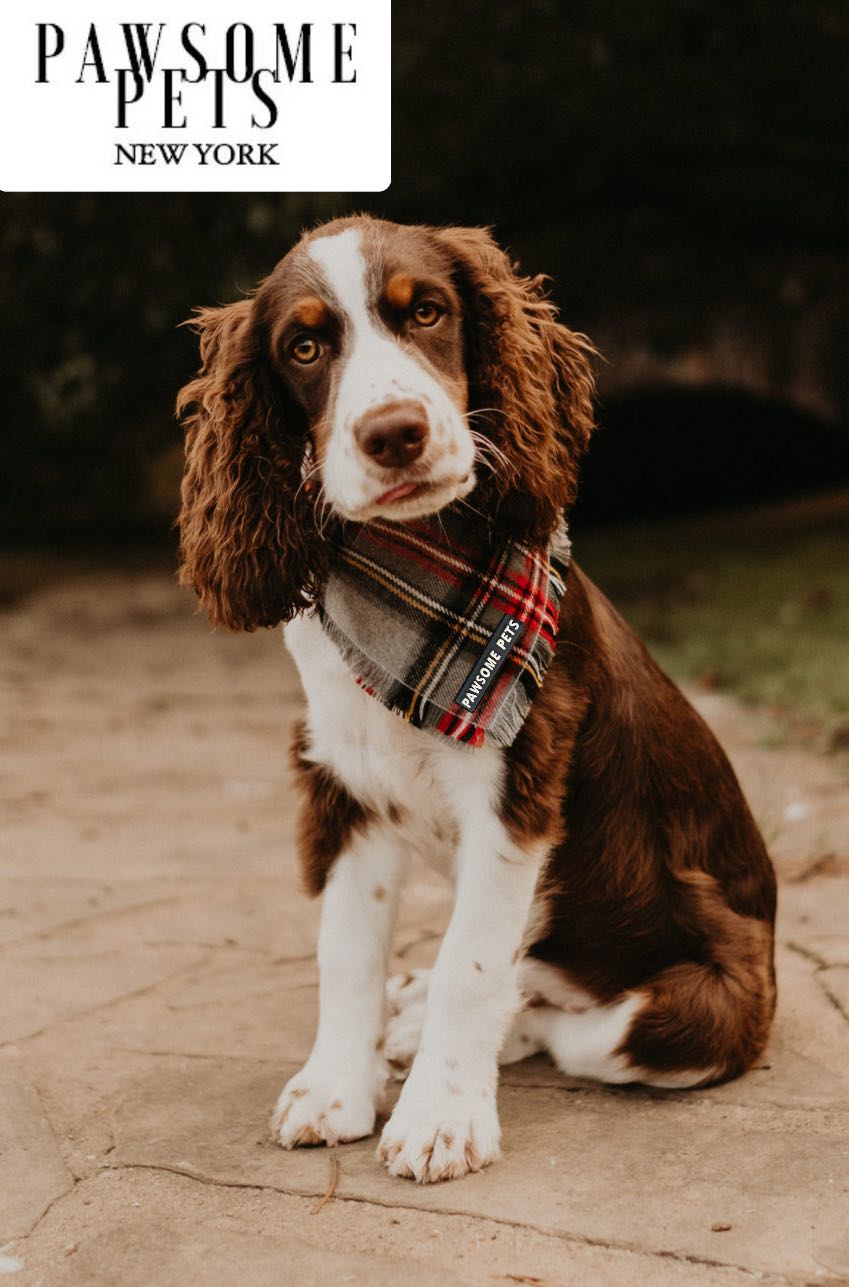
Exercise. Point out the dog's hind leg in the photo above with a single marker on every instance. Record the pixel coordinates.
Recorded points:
(406, 1004)
(641, 1037)
(563, 1019)
(694, 1023)
(582, 1043)
(406, 1000)
(697, 1021)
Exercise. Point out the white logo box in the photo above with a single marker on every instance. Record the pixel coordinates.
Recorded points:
(71, 134)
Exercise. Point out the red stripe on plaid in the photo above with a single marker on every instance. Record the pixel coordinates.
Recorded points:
(442, 600)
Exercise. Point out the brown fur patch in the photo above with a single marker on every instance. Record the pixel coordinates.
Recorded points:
(311, 312)
(329, 815)
(388, 1152)
(308, 1137)
(399, 291)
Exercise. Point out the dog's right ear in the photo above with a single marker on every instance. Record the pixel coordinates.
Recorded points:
(249, 545)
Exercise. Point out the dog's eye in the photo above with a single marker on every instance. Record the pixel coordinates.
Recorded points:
(305, 350)
(427, 313)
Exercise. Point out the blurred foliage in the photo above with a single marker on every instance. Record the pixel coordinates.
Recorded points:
(634, 151)
(96, 287)
(753, 606)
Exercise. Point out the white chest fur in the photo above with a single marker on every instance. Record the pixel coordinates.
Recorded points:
(384, 761)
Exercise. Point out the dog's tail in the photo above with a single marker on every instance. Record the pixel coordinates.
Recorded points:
(706, 1019)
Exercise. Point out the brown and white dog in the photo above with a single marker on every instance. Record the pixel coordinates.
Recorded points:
(614, 901)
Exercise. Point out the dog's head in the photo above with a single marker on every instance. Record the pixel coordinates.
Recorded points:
(379, 371)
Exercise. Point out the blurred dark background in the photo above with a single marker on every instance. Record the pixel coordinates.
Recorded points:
(679, 168)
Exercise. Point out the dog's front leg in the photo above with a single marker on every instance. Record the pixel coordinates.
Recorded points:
(335, 1095)
(446, 1120)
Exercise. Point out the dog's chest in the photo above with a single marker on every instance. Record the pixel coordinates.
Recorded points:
(426, 784)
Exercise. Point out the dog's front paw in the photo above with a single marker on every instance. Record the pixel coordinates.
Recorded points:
(323, 1107)
(431, 1139)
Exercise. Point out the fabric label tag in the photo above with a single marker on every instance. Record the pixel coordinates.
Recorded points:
(502, 641)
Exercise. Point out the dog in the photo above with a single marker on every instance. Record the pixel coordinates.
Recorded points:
(614, 901)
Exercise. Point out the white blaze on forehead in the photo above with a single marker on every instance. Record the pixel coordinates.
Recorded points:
(343, 264)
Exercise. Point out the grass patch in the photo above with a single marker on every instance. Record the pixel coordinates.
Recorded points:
(751, 604)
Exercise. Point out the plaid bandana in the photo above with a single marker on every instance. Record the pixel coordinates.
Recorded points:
(449, 632)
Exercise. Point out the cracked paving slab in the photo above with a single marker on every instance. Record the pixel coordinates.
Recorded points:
(628, 1168)
(32, 908)
(248, 916)
(33, 1172)
(815, 915)
(835, 980)
(41, 990)
(246, 993)
(224, 1006)
(208, 1235)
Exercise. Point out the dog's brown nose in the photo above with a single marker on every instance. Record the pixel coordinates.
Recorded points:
(393, 436)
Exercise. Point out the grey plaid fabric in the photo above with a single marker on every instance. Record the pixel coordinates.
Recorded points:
(451, 633)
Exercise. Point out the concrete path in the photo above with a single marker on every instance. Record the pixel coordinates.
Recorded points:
(158, 987)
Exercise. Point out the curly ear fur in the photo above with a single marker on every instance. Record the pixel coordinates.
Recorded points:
(531, 382)
(248, 541)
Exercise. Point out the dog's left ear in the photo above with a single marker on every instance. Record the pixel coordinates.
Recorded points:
(248, 540)
(530, 381)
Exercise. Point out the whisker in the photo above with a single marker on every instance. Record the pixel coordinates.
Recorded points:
(308, 476)
(483, 438)
(324, 512)
(489, 452)
(480, 411)
(485, 448)
(441, 522)
(479, 513)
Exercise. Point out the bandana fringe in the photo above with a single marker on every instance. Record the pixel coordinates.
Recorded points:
(377, 681)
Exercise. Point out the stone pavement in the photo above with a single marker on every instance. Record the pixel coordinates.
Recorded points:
(159, 987)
